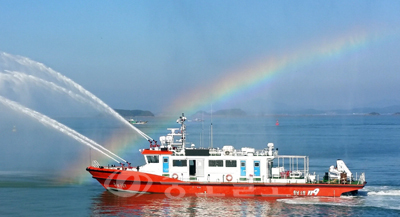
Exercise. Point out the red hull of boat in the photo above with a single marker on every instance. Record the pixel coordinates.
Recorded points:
(132, 181)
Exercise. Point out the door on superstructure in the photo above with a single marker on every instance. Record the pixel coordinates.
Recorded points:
(242, 168)
(199, 167)
(269, 169)
(256, 168)
(192, 167)
(165, 164)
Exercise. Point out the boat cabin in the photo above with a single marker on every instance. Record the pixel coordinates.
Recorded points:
(173, 159)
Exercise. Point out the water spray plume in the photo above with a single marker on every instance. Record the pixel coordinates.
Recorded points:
(18, 77)
(60, 127)
(23, 61)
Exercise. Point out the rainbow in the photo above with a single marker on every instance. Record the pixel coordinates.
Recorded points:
(253, 76)
(259, 73)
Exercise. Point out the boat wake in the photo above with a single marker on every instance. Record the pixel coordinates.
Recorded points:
(384, 197)
(329, 201)
(383, 190)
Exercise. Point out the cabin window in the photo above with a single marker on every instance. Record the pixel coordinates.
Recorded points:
(165, 160)
(256, 164)
(179, 163)
(152, 158)
(230, 163)
(215, 163)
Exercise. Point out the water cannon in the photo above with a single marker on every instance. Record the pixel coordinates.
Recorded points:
(270, 148)
(181, 119)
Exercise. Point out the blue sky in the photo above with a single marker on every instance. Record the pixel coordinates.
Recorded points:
(142, 54)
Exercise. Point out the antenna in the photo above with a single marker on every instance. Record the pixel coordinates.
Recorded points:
(90, 156)
(202, 129)
(211, 135)
(211, 129)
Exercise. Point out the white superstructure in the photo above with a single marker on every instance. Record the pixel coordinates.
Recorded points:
(173, 159)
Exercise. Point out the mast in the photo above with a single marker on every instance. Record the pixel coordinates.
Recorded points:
(181, 121)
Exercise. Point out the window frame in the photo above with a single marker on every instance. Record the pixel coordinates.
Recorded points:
(215, 163)
(153, 159)
(179, 163)
(230, 163)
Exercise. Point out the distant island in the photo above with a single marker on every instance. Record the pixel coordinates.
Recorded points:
(223, 112)
(373, 113)
(133, 113)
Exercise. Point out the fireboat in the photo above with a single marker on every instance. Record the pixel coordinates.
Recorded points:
(174, 167)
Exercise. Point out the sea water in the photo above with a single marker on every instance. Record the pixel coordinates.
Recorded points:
(367, 144)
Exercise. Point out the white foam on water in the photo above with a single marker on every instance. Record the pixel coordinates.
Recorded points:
(385, 197)
(383, 190)
(386, 193)
(329, 201)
